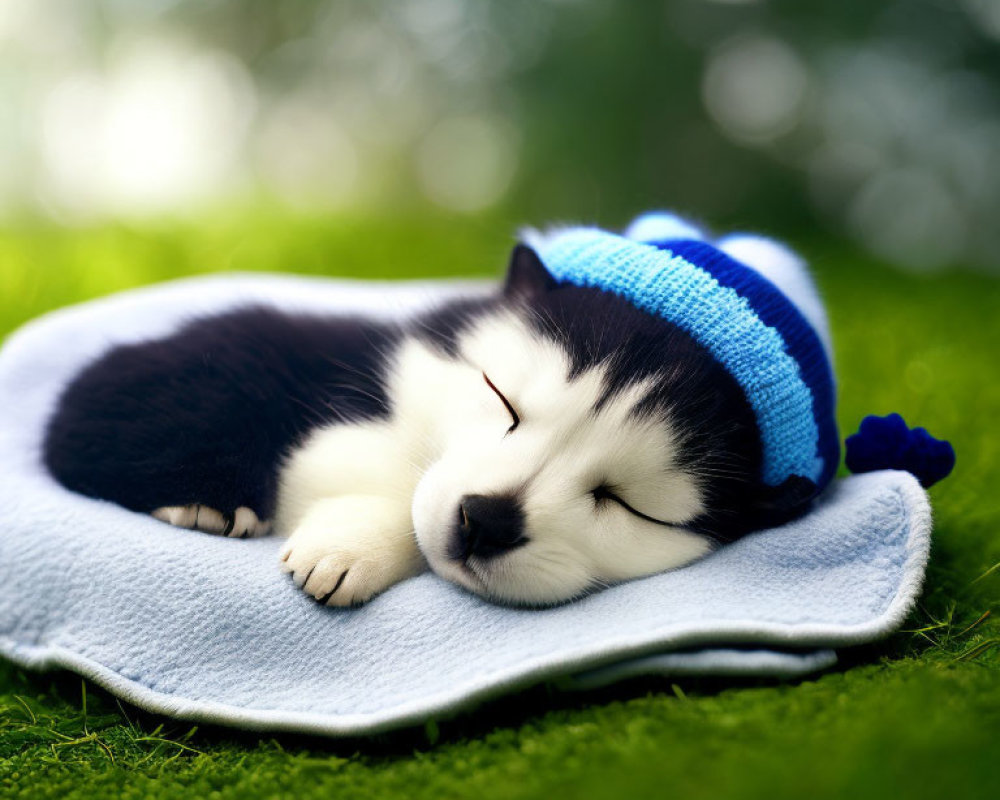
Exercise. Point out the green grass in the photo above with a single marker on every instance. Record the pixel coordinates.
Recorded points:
(915, 715)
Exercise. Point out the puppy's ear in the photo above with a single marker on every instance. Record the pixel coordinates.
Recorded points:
(777, 505)
(526, 275)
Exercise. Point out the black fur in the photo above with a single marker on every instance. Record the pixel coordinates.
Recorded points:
(205, 415)
(441, 327)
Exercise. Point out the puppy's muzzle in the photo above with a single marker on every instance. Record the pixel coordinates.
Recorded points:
(487, 526)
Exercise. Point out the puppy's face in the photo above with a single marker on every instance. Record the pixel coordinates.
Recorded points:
(553, 479)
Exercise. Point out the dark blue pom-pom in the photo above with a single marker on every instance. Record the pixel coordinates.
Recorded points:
(888, 443)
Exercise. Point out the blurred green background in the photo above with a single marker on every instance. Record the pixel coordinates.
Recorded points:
(875, 121)
(142, 140)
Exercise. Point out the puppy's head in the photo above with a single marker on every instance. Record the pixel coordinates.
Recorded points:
(586, 442)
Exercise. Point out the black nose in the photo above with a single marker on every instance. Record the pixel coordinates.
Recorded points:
(487, 526)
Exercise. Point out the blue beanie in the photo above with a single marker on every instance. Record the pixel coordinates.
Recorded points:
(778, 355)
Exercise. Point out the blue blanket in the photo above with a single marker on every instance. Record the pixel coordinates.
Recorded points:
(208, 628)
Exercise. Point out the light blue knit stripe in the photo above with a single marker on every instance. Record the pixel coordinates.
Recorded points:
(719, 319)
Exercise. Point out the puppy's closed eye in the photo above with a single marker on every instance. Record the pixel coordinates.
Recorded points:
(516, 420)
(606, 494)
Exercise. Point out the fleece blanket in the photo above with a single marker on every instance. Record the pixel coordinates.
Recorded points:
(207, 628)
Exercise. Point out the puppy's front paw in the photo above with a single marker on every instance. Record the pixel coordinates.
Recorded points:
(333, 575)
(348, 549)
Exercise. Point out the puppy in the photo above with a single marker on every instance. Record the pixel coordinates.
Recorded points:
(530, 445)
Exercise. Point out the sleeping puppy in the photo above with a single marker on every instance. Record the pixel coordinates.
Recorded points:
(530, 445)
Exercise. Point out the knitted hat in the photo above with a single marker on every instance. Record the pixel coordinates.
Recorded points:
(751, 304)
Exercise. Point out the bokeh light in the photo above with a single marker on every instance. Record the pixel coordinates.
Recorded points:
(466, 163)
(754, 87)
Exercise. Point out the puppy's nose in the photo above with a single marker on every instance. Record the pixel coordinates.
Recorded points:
(488, 525)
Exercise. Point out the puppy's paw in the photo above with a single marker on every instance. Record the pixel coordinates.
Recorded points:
(346, 550)
(241, 524)
(246, 524)
(334, 576)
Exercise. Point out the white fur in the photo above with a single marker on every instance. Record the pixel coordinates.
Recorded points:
(346, 494)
